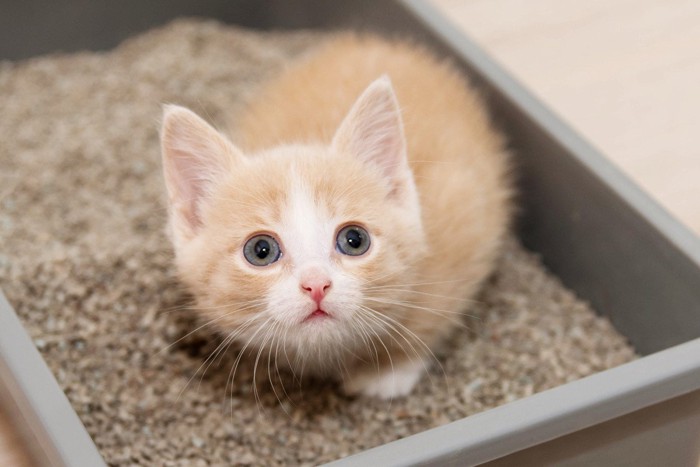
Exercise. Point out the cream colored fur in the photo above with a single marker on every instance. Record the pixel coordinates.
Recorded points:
(429, 182)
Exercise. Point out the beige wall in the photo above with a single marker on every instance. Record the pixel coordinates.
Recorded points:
(623, 73)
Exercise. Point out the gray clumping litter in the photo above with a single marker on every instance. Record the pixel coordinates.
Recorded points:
(85, 261)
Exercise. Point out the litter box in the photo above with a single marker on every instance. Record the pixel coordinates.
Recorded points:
(602, 236)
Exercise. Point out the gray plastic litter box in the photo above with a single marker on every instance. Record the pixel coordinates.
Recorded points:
(597, 231)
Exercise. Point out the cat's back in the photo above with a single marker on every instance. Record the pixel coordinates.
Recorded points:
(458, 160)
(310, 98)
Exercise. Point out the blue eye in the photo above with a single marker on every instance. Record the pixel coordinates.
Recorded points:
(262, 250)
(353, 240)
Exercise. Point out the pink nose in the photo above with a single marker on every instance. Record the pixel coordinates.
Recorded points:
(316, 287)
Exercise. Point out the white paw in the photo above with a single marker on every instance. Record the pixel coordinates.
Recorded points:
(386, 384)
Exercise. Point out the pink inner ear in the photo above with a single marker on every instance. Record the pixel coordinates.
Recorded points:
(194, 156)
(373, 131)
(187, 186)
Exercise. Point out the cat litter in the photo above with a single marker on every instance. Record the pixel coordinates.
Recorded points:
(85, 262)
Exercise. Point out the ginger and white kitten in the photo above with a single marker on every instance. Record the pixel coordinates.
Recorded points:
(343, 235)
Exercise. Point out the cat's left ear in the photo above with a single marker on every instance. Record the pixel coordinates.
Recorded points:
(373, 131)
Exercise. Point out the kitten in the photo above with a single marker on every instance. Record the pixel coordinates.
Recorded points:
(345, 233)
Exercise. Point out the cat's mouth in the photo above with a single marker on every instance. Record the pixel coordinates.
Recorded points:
(317, 315)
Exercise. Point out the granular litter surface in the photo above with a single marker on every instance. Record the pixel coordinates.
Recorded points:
(85, 261)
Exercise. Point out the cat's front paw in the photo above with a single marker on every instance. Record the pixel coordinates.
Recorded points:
(387, 383)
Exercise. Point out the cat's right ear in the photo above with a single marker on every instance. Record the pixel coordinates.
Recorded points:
(195, 155)
(373, 132)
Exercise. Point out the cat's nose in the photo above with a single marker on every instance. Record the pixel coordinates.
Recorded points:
(316, 287)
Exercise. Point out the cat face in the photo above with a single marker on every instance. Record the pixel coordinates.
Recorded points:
(287, 245)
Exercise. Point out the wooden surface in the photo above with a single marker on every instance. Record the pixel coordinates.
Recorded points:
(624, 73)
(11, 452)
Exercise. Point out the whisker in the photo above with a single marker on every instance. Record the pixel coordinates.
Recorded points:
(208, 323)
(388, 354)
(383, 277)
(359, 330)
(419, 283)
(232, 374)
(216, 355)
(192, 306)
(220, 351)
(426, 294)
(286, 355)
(377, 317)
(436, 311)
(420, 341)
(230, 339)
(277, 369)
(258, 401)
